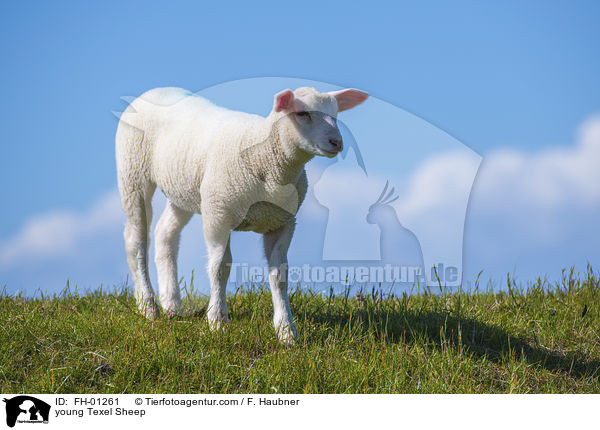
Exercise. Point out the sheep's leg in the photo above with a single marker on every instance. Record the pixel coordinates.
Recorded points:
(276, 245)
(138, 208)
(167, 235)
(219, 266)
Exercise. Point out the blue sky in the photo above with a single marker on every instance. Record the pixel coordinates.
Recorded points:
(510, 76)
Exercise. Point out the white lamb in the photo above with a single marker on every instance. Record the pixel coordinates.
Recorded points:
(240, 171)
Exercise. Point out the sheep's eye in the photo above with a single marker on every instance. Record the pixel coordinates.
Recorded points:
(304, 114)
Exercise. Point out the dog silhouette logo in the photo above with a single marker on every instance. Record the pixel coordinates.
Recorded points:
(26, 409)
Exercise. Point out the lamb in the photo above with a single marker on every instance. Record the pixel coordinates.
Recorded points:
(240, 171)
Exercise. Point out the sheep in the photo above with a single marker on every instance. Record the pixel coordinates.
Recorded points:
(240, 171)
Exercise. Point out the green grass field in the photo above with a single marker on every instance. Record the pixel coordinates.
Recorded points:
(535, 339)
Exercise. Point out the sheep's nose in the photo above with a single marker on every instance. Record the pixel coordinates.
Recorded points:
(337, 143)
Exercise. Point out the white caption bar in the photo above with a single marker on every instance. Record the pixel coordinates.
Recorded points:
(72, 411)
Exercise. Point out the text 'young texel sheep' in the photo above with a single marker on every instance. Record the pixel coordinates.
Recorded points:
(240, 171)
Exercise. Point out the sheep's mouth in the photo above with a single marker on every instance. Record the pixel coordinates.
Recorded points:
(329, 154)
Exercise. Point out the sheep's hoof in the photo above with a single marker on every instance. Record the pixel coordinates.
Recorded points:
(217, 322)
(150, 310)
(171, 310)
(287, 334)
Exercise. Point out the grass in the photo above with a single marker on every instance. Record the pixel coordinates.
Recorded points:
(536, 339)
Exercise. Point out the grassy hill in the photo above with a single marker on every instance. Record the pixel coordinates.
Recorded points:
(536, 339)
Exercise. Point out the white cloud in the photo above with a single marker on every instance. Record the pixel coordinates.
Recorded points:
(57, 233)
(510, 181)
(534, 213)
(439, 185)
(549, 179)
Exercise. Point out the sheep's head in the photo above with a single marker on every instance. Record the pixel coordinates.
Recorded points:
(313, 116)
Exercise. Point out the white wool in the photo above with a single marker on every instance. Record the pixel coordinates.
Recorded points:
(240, 171)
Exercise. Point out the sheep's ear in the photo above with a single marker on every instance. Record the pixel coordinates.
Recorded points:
(284, 100)
(349, 98)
